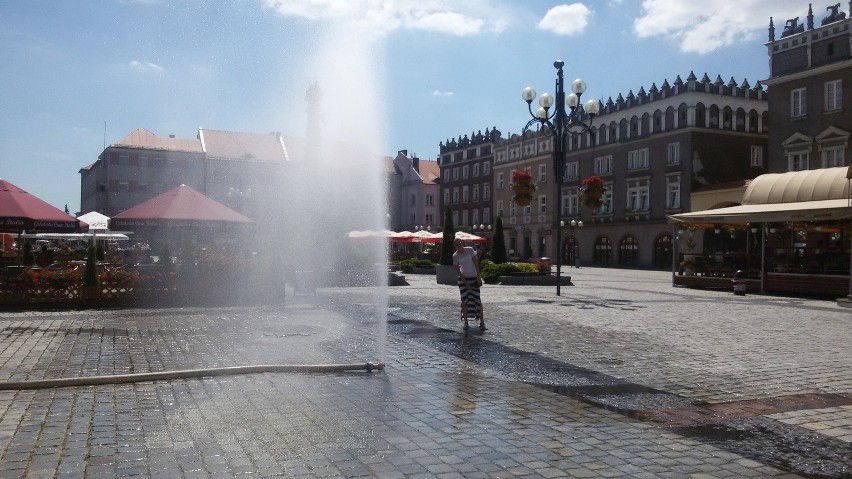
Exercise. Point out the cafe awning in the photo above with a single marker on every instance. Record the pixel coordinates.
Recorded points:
(810, 195)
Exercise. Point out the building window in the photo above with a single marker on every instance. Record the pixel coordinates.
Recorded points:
(757, 156)
(456, 173)
(500, 208)
(833, 95)
(797, 161)
(465, 194)
(123, 159)
(486, 191)
(607, 202)
(430, 200)
(465, 215)
(123, 186)
(455, 195)
(486, 215)
(447, 196)
(798, 102)
(475, 217)
(673, 197)
(542, 173)
(572, 170)
(429, 219)
(475, 170)
(499, 181)
(142, 187)
(486, 168)
(542, 204)
(674, 154)
(513, 208)
(475, 194)
(637, 159)
(142, 161)
(603, 165)
(447, 175)
(571, 203)
(833, 157)
(465, 171)
(637, 197)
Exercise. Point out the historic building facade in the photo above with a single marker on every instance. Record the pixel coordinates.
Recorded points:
(413, 194)
(652, 149)
(239, 170)
(811, 117)
(466, 180)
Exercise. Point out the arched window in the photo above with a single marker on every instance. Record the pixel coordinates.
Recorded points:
(727, 118)
(663, 251)
(658, 121)
(714, 117)
(670, 118)
(681, 113)
(603, 251)
(740, 123)
(628, 251)
(700, 114)
(753, 121)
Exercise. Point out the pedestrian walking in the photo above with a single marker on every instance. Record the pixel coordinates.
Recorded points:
(470, 280)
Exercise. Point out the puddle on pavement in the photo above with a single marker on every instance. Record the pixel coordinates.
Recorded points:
(781, 445)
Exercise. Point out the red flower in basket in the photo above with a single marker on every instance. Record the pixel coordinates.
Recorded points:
(523, 187)
(592, 192)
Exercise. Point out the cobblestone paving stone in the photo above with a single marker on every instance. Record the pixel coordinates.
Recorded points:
(430, 414)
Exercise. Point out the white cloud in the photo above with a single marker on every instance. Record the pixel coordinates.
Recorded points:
(452, 17)
(702, 29)
(566, 19)
(442, 93)
(145, 66)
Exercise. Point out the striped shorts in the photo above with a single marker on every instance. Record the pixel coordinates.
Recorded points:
(470, 296)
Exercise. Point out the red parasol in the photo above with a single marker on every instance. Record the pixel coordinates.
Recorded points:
(21, 211)
(181, 206)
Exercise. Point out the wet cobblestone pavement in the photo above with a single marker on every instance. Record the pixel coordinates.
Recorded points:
(622, 376)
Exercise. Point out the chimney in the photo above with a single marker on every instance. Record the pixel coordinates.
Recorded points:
(415, 163)
(403, 152)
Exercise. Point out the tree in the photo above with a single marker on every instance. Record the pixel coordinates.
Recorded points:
(29, 256)
(447, 248)
(90, 274)
(498, 247)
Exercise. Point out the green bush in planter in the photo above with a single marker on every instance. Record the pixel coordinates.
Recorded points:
(408, 265)
(491, 272)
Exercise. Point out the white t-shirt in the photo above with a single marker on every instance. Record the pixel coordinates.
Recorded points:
(466, 261)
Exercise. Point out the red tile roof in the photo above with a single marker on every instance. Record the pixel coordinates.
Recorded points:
(142, 138)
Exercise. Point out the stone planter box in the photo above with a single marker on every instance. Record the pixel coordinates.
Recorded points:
(534, 279)
(446, 274)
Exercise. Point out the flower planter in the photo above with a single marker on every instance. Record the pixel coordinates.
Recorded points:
(523, 193)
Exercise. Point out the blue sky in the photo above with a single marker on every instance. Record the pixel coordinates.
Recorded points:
(78, 74)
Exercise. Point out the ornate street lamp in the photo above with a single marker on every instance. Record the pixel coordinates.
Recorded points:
(560, 124)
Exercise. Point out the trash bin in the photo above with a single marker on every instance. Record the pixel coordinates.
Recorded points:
(739, 283)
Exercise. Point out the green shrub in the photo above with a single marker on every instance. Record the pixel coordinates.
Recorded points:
(492, 271)
(408, 265)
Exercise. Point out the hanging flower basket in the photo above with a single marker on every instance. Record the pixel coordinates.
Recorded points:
(592, 192)
(523, 187)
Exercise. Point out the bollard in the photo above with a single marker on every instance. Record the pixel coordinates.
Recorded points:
(739, 283)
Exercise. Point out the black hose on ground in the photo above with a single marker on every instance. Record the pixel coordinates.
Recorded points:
(187, 374)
